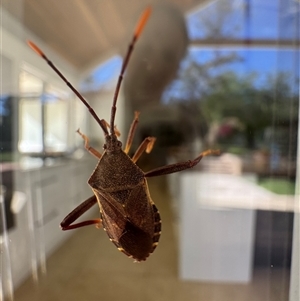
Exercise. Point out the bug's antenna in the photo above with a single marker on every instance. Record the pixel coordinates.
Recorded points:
(137, 33)
(41, 53)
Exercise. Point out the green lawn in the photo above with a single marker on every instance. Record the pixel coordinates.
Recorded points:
(6, 157)
(279, 186)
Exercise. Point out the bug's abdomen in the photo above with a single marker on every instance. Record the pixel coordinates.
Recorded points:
(135, 242)
(131, 220)
(157, 228)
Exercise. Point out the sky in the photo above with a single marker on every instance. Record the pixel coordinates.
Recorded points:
(273, 20)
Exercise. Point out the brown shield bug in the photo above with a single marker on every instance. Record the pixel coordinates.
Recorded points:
(127, 212)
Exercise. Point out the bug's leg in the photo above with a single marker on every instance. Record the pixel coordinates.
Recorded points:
(66, 224)
(146, 145)
(90, 149)
(164, 170)
(131, 132)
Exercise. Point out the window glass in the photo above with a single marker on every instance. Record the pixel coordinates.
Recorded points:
(46, 115)
(56, 106)
(30, 134)
(228, 228)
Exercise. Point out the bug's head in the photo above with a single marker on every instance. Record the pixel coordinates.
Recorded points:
(112, 144)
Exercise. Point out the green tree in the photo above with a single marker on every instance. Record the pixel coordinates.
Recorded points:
(256, 107)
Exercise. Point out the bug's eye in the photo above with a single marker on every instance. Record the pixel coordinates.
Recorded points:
(104, 146)
(119, 144)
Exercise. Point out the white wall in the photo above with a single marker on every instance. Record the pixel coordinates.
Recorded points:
(295, 267)
(16, 49)
(25, 248)
(21, 250)
(101, 103)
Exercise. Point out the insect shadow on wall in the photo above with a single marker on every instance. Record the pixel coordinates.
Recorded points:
(127, 212)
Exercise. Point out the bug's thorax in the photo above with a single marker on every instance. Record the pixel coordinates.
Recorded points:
(115, 169)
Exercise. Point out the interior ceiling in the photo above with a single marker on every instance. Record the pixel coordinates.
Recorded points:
(84, 31)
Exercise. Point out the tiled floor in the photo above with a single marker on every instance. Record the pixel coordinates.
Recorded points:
(88, 267)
